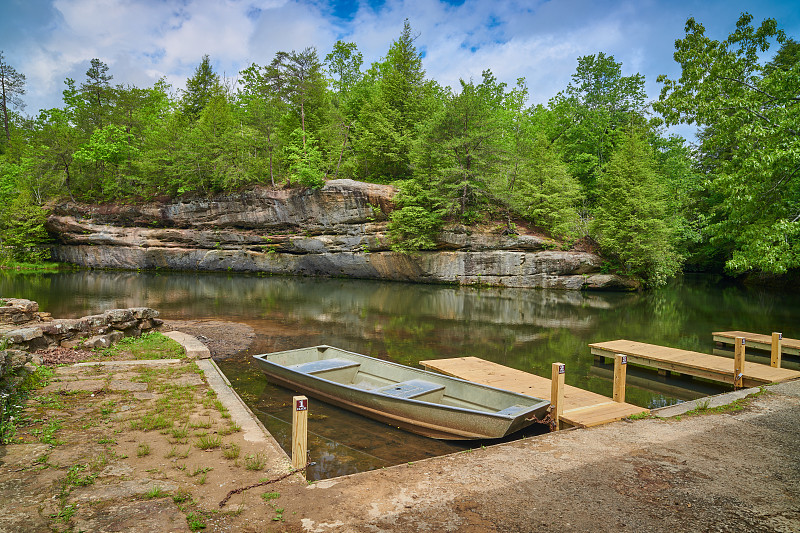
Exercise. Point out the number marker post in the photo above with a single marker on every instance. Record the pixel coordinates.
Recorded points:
(299, 431)
(557, 393)
(620, 371)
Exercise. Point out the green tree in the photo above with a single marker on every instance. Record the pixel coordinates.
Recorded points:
(12, 87)
(298, 79)
(749, 110)
(22, 233)
(598, 103)
(344, 63)
(264, 109)
(396, 102)
(200, 89)
(98, 95)
(631, 222)
(468, 136)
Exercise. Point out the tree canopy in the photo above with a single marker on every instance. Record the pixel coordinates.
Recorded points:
(593, 166)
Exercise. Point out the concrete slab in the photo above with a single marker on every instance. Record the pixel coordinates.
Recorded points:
(791, 388)
(118, 384)
(194, 348)
(89, 385)
(708, 401)
(127, 364)
(253, 429)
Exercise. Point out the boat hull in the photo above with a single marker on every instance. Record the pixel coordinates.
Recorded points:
(456, 414)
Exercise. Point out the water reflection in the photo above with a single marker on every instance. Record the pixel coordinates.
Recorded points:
(524, 329)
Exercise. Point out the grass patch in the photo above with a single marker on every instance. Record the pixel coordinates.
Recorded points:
(233, 427)
(195, 521)
(179, 433)
(64, 514)
(268, 496)
(47, 435)
(182, 496)
(76, 478)
(736, 405)
(208, 442)
(200, 470)
(151, 345)
(153, 493)
(11, 406)
(152, 421)
(255, 461)
(45, 266)
(205, 424)
(232, 452)
(143, 450)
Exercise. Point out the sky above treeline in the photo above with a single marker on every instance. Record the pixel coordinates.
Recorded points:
(144, 40)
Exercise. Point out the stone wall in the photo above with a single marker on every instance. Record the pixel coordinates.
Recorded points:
(23, 327)
(339, 230)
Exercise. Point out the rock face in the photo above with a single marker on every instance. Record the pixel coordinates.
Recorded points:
(339, 230)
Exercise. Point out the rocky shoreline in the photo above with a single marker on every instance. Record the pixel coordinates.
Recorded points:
(337, 231)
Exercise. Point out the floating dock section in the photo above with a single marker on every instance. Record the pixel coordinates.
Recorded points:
(582, 408)
(690, 363)
(757, 341)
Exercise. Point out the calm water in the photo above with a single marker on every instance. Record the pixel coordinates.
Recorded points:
(525, 329)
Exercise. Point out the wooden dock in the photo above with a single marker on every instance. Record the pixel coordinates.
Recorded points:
(690, 363)
(582, 408)
(758, 341)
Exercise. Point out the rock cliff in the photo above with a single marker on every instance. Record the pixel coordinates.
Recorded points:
(339, 230)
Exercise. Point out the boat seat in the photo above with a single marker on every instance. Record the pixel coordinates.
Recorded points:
(323, 365)
(410, 389)
(512, 410)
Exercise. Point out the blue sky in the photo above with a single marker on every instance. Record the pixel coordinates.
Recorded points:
(144, 40)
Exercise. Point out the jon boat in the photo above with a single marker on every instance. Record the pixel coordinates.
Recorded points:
(423, 402)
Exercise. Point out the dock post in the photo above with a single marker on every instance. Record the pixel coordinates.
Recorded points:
(557, 393)
(738, 363)
(299, 431)
(777, 341)
(620, 369)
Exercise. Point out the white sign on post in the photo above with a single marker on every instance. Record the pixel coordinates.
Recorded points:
(301, 405)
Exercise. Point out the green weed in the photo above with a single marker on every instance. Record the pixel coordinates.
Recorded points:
(208, 442)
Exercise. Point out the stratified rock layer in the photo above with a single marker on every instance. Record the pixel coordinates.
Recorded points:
(339, 230)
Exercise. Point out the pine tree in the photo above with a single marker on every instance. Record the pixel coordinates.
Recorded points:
(630, 222)
(200, 88)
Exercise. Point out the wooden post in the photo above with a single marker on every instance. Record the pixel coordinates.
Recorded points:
(738, 363)
(620, 368)
(777, 348)
(557, 393)
(299, 431)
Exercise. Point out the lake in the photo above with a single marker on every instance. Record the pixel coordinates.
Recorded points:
(526, 329)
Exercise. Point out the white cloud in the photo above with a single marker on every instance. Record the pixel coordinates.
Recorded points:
(143, 40)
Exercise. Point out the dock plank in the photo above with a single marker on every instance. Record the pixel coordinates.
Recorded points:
(692, 363)
(582, 408)
(757, 340)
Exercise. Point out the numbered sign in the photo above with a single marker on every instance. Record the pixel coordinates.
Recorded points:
(780, 336)
(624, 360)
(562, 369)
(301, 405)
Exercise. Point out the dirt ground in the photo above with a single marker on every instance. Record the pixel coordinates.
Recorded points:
(735, 471)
